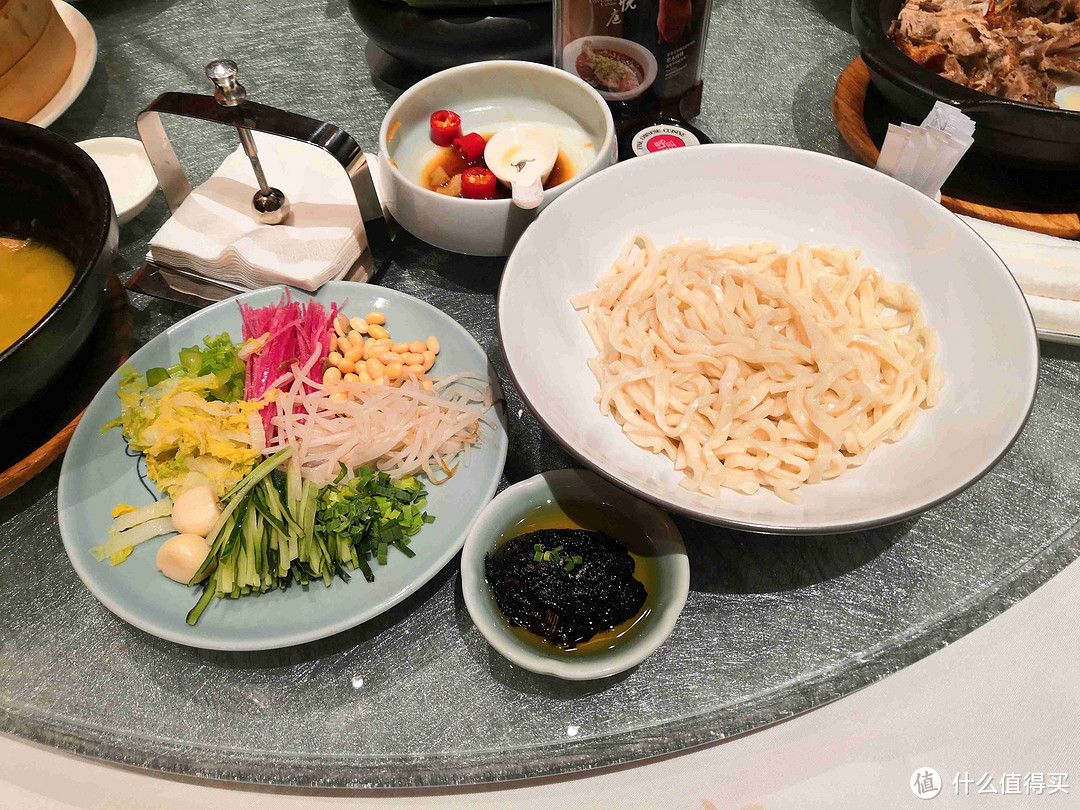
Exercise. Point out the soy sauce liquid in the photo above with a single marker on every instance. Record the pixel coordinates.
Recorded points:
(450, 162)
(581, 515)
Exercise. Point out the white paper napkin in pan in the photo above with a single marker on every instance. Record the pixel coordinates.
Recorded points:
(215, 233)
(1047, 269)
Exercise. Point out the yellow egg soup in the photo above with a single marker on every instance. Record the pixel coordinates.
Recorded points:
(32, 278)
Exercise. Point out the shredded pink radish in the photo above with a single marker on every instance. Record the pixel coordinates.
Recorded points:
(294, 333)
(399, 430)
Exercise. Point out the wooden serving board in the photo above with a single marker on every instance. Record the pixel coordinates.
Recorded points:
(57, 412)
(1026, 199)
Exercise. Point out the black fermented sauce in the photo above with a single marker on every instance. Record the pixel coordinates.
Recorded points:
(565, 607)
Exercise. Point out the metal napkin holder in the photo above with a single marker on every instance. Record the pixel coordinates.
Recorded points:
(249, 115)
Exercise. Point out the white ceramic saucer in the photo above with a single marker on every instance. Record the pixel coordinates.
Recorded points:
(127, 171)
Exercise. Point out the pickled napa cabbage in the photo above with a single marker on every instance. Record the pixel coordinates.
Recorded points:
(187, 440)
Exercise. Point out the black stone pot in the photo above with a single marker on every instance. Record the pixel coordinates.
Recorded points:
(424, 41)
(53, 192)
(1010, 130)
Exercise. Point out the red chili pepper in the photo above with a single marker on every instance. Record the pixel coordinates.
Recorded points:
(445, 126)
(470, 147)
(477, 183)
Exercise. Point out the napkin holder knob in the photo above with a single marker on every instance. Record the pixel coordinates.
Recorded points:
(270, 204)
(245, 115)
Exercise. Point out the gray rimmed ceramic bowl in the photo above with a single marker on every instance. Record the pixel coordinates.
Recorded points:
(658, 538)
(742, 193)
(489, 96)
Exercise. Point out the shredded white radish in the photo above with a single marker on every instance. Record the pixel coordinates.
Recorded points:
(401, 429)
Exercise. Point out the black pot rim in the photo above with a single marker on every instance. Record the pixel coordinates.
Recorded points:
(50, 142)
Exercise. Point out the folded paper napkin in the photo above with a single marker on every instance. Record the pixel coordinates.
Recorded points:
(215, 234)
(1047, 268)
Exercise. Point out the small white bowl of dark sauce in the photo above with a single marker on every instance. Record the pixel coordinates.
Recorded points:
(578, 499)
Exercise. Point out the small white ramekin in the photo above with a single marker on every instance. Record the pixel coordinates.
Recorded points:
(127, 171)
(576, 486)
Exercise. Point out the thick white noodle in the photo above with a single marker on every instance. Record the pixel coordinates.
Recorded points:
(753, 368)
(401, 429)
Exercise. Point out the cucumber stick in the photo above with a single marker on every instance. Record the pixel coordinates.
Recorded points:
(277, 528)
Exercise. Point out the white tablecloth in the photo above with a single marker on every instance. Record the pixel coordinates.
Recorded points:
(1003, 700)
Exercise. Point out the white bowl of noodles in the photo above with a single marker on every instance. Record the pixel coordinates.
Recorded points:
(826, 439)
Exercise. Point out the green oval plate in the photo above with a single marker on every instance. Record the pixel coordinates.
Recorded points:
(98, 473)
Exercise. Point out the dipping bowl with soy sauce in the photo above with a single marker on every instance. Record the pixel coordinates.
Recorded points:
(415, 174)
(565, 574)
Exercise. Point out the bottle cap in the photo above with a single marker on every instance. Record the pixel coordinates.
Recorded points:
(658, 135)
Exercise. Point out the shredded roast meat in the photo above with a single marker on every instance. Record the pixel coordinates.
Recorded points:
(1015, 49)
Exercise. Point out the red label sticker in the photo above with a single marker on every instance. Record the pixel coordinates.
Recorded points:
(666, 141)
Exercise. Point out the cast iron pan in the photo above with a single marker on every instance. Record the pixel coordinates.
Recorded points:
(53, 192)
(1010, 130)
